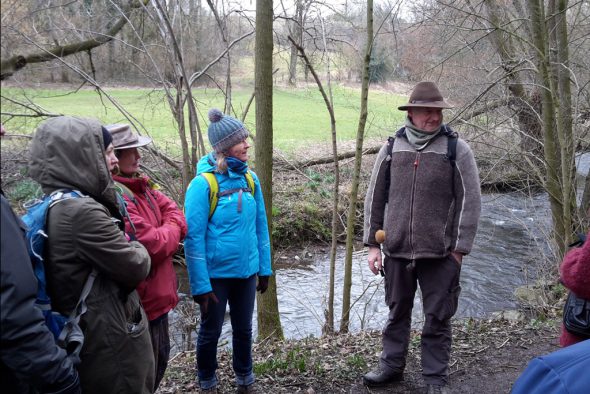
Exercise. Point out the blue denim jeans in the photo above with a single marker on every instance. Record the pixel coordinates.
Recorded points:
(240, 294)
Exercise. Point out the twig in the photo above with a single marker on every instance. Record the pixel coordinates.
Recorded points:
(503, 344)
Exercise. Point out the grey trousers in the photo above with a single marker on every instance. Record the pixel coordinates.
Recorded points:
(439, 283)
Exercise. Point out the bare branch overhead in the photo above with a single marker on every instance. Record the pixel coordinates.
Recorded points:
(15, 63)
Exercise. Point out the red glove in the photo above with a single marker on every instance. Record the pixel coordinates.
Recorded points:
(203, 300)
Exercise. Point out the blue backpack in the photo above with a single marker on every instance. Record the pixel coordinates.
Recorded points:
(65, 329)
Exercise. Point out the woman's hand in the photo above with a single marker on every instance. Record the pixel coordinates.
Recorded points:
(262, 284)
(203, 300)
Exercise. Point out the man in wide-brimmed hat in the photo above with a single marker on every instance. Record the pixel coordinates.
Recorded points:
(428, 178)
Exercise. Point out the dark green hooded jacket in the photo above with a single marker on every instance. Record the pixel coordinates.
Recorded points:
(85, 233)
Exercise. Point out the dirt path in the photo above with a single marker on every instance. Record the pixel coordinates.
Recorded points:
(487, 357)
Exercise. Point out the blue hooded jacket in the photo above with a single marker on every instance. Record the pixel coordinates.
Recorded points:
(230, 244)
(564, 371)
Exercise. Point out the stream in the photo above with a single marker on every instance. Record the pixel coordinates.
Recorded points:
(509, 248)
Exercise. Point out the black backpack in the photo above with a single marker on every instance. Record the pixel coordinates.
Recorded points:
(576, 312)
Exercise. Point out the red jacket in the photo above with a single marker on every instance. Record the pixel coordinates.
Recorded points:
(159, 226)
(575, 275)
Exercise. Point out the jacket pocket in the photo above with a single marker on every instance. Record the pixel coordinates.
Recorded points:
(136, 321)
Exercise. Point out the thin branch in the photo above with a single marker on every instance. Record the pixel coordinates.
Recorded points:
(193, 78)
(17, 62)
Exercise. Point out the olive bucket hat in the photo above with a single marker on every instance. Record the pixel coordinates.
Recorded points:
(125, 138)
(425, 95)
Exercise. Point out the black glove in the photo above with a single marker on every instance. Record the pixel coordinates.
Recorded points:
(203, 300)
(262, 284)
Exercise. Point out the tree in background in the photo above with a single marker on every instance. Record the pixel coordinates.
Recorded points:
(269, 322)
(346, 306)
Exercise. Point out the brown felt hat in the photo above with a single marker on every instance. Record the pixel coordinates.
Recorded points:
(125, 138)
(425, 95)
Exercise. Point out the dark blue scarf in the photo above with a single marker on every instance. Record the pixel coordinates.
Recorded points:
(237, 166)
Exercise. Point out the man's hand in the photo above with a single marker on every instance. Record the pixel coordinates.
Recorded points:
(375, 259)
(203, 300)
(458, 256)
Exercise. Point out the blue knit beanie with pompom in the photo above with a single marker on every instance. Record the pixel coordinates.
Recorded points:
(224, 131)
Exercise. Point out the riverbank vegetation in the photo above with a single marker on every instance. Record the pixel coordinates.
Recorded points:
(517, 73)
(487, 357)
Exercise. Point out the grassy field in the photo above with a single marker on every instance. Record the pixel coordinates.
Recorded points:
(300, 117)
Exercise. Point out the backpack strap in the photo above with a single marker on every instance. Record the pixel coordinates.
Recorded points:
(250, 181)
(71, 337)
(452, 138)
(64, 194)
(214, 193)
(390, 142)
(123, 190)
(451, 156)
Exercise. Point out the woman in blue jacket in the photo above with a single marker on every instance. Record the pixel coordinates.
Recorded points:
(226, 248)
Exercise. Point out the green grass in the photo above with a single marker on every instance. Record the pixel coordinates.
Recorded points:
(300, 117)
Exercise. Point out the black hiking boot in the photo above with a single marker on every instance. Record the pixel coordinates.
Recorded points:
(437, 389)
(379, 377)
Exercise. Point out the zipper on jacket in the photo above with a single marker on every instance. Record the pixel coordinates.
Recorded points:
(416, 163)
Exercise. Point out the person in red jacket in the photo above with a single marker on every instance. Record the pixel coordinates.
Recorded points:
(575, 275)
(157, 223)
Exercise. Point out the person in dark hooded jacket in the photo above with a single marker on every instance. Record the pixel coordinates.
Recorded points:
(86, 233)
(30, 360)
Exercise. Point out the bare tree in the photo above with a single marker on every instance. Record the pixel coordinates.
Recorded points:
(329, 313)
(344, 322)
(269, 322)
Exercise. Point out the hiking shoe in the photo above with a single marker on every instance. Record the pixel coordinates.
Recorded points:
(379, 377)
(437, 389)
(212, 390)
(249, 389)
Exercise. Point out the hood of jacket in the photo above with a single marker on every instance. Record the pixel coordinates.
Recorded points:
(67, 153)
(206, 164)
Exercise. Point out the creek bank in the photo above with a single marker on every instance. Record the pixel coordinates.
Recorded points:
(487, 356)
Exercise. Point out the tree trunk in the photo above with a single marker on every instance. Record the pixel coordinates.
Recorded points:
(269, 322)
(297, 34)
(527, 104)
(329, 313)
(564, 123)
(356, 174)
(551, 148)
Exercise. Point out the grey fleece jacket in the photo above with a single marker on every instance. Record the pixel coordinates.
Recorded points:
(422, 219)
